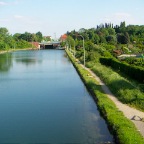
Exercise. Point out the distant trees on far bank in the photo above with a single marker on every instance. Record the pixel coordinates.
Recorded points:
(18, 40)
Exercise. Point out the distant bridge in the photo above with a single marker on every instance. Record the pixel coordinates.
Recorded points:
(49, 45)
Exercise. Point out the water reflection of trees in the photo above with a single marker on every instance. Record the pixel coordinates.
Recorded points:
(28, 61)
(27, 57)
(5, 62)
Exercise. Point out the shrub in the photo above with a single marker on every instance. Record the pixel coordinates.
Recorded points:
(134, 72)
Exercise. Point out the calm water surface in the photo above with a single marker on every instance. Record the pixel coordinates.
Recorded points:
(43, 100)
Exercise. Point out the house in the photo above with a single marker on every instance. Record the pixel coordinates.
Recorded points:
(63, 38)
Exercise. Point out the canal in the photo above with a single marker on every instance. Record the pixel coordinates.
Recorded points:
(43, 100)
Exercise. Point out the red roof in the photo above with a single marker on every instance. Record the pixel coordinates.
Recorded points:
(63, 37)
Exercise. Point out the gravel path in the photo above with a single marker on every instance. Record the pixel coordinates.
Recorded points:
(134, 115)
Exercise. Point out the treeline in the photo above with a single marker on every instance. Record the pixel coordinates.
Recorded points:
(109, 41)
(122, 37)
(18, 40)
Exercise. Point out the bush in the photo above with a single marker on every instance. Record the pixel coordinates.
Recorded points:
(134, 72)
(135, 61)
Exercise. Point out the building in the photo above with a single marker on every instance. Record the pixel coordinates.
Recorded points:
(63, 38)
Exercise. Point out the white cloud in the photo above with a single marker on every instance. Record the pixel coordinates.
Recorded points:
(18, 16)
(2, 3)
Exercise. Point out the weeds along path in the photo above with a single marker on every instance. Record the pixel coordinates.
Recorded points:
(136, 116)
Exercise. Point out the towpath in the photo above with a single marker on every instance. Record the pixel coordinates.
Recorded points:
(133, 114)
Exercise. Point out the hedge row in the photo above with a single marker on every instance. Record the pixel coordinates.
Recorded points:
(134, 72)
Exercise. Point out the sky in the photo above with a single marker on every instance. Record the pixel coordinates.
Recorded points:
(56, 17)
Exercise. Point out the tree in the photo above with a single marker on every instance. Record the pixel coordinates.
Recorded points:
(123, 38)
(111, 31)
(96, 39)
(111, 39)
(102, 39)
(34, 38)
(89, 45)
(122, 27)
(82, 30)
(26, 36)
(120, 38)
(16, 36)
(3, 32)
(63, 44)
(39, 36)
(5, 39)
(69, 41)
(2, 45)
(104, 32)
(127, 38)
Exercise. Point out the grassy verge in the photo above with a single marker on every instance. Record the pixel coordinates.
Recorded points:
(123, 129)
(121, 87)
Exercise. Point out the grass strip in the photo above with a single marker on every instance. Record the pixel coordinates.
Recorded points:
(121, 87)
(122, 128)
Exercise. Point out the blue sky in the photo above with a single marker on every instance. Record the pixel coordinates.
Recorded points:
(56, 17)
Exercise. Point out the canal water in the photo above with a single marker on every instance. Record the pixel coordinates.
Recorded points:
(43, 100)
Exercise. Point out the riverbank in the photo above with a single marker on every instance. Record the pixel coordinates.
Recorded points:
(121, 127)
(6, 51)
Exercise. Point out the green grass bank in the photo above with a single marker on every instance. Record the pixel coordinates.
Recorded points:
(126, 90)
(123, 130)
